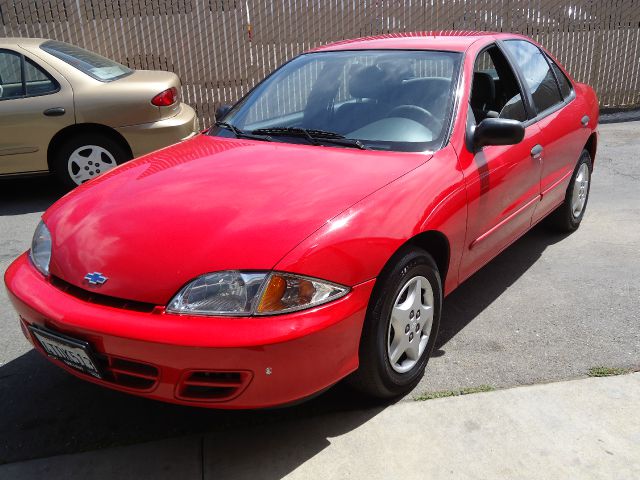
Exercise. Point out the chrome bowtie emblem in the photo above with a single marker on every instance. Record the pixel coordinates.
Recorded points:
(95, 278)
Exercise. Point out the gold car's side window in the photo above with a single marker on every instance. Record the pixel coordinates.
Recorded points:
(11, 85)
(37, 81)
(20, 77)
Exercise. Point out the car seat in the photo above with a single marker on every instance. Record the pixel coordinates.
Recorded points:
(368, 86)
(483, 96)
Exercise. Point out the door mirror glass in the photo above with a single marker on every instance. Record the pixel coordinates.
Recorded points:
(497, 131)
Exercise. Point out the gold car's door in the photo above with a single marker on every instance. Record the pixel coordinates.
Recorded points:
(35, 104)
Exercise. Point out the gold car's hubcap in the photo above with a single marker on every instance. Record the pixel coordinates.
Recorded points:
(88, 162)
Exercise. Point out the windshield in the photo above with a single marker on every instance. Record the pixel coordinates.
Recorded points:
(396, 100)
(92, 64)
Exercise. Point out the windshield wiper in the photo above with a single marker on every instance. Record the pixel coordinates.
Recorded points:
(241, 133)
(315, 137)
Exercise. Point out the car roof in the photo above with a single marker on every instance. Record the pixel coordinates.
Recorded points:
(22, 41)
(448, 40)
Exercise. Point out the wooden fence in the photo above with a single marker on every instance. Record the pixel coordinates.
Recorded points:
(221, 48)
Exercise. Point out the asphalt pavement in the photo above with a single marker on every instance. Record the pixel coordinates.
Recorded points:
(548, 308)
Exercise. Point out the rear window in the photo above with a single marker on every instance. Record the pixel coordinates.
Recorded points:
(87, 62)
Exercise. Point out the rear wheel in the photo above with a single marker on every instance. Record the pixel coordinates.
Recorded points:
(567, 217)
(87, 156)
(401, 327)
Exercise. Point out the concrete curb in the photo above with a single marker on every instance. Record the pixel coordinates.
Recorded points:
(587, 428)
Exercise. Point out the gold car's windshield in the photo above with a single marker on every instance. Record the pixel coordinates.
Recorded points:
(87, 62)
(399, 100)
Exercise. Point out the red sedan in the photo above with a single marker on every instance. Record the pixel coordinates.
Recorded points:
(313, 232)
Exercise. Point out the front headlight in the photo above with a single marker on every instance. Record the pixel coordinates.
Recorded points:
(238, 293)
(40, 252)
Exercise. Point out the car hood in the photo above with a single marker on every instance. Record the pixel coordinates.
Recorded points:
(207, 204)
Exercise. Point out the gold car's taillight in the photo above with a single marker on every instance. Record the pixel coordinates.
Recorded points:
(166, 98)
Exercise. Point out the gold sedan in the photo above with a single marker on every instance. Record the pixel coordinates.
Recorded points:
(76, 114)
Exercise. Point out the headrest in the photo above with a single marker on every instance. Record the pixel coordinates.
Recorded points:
(483, 91)
(427, 86)
(367, 82)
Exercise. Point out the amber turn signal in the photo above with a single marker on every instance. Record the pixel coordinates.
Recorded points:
(272, 297)
(288, 293)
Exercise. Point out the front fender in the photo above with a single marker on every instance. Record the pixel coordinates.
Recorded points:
(354, 246)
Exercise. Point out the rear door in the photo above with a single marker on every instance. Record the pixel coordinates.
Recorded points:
(35, 104)
(557, 114)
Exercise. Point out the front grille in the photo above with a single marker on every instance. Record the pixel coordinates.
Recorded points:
(128, 373)
(98, 299)
(215, 386)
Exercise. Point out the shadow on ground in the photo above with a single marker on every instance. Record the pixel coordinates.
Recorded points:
(47, 411)
(27, 195)
(477, 293)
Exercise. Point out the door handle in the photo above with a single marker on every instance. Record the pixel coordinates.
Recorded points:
(585, 120)
(536, 151)
(54, 112)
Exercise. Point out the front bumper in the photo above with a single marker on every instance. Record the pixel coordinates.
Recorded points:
(147, 137)
(268, 361)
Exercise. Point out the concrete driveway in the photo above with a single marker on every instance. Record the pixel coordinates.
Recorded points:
(548, 308)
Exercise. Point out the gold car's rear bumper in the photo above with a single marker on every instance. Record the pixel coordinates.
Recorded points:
(147, 137)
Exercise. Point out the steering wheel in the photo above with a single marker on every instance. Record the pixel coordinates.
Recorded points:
(418, 114)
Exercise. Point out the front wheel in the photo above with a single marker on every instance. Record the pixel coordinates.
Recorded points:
(87, 156)
(401, 327)
(567, 217)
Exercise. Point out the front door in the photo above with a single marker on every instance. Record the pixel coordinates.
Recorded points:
(502, 182)
(34, 106)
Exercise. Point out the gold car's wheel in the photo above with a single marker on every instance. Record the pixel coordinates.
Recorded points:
(87, 156)
(89, 161)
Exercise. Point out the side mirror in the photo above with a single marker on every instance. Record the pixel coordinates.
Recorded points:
(222, 111)
(497, 131)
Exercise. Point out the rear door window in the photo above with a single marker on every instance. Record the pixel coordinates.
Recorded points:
(37, 81)
(20, 77)
(563, 81)
(538, 76)
(11, 85)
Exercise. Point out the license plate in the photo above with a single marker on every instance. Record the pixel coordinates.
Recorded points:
(75, 353)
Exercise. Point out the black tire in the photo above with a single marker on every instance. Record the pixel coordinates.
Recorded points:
(563, 219)
(62, 155)
(375, 376)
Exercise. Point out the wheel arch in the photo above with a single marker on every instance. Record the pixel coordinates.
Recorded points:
(79, 129)
(437, 245)
(591, 146)
(433, 242)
